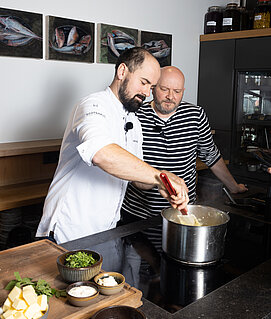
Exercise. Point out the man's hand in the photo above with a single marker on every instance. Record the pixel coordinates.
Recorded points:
(240, 188)
(179, 201)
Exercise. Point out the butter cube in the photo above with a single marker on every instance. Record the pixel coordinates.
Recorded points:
(7, 304)
(42, 302)
(29, 295)
(15, 293)
(32, 310)
(19, 315)
(38, 315)
(9, 314)
(29, 287)
(19, 304)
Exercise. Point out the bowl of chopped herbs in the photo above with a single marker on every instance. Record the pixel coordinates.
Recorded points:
(79, 265)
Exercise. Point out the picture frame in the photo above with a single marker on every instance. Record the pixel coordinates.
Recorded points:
(112, 40)
(70, 40)
(159, 45)
(21, 34)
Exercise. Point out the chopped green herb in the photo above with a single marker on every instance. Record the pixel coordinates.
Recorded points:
(41, 286)
(80, 259)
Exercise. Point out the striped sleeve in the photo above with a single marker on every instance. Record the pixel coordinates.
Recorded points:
(207, 150)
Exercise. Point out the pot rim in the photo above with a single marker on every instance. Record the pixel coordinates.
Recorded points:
(203, 226)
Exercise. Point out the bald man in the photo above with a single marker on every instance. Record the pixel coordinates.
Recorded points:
(175, 133)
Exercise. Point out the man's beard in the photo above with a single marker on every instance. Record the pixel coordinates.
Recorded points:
(130, 104)
(163, 110)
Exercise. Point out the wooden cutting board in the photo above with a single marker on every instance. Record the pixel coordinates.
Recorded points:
(37, 260)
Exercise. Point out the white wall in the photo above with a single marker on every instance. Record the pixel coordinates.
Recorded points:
(36, 96)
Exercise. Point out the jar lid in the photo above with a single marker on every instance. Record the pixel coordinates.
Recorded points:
(214, 8)
(232, 5)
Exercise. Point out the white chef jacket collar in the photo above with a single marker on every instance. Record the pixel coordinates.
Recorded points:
(117, 102)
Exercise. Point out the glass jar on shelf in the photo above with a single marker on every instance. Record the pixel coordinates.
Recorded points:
(213, 20)
(231, 18)
(244, 18)
(262, 15)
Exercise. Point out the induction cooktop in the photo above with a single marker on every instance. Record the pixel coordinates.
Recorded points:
(172, 285)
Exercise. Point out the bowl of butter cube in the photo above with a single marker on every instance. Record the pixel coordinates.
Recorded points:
(24, 303)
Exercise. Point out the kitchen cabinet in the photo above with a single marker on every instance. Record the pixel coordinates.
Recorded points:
(222, 58)
(215, 88)
(253, 53)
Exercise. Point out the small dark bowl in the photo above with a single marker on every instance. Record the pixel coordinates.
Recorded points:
(110, 290)
(82, 301)
(79, 274)
(119, 312)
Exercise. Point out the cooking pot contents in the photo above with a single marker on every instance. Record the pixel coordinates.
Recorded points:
(107, 281)
(195, 245)
(82, 291)
(189, 220)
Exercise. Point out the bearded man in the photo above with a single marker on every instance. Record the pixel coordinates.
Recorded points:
(101, 151)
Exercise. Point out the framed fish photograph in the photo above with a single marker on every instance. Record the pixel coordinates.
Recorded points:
(69, 40)
(112, 40)
(159, 45)
(20, 34)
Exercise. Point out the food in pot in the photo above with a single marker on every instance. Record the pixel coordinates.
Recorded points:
(189, 220)
(107, 281)
(82, 291)
(24, 303)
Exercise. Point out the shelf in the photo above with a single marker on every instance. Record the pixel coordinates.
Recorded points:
(257, 122)
(24, 194)
(236, 35)
(29, 147)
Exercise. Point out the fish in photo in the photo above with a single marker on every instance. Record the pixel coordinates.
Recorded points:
(81, 47)
(118, 41)
(70, 40)
(13, 33)
(73, 36)
(158, 49)
(60, 37)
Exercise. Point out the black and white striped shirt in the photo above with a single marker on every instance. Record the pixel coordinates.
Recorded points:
(172, 145)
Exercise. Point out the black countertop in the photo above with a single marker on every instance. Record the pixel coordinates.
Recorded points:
(247, 296)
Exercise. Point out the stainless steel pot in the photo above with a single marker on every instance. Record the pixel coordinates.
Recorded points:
(195, 244)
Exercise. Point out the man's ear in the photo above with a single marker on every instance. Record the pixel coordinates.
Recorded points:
(122, 71)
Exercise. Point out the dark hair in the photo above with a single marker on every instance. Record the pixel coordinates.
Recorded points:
(133, 58)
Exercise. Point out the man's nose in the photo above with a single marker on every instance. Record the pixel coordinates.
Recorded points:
(169, 94)
(147, 91)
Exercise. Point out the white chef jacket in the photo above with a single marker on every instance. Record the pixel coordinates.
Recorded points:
(83, 199)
